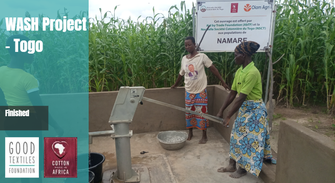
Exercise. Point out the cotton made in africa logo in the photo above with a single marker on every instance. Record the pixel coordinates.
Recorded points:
(60, 148)
(234, 8)
(60, 157)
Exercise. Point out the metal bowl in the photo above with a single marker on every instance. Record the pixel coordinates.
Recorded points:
(172, 140)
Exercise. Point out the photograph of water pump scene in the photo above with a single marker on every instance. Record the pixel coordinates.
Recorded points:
(141, 96)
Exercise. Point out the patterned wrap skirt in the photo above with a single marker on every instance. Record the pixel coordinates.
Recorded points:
(250, 138)
(196, 102)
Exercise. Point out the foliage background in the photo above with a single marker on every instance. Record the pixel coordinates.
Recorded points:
(148, 53)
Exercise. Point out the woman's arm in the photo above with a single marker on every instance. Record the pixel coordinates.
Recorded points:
(177, 81)
(214, 70)
(227, 102)
(236, 106)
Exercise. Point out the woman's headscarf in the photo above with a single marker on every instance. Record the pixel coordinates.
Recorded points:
(247, 48)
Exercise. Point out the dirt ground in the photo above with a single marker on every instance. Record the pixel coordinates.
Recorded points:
(313, 118)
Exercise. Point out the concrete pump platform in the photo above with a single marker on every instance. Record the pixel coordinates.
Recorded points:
(194, 163)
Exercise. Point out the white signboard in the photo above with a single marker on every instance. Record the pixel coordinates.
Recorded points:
(232, 23)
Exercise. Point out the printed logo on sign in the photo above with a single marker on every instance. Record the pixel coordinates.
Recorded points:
(247, 7)
(203, 8)
(234, 8)
(22, 157)
(60, 157)
(59, 148)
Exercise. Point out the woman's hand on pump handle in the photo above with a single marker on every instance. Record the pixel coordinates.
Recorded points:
(226, 86)
(227, 121)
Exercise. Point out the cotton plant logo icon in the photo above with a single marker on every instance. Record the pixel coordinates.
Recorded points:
(59, 148)
(247, 7)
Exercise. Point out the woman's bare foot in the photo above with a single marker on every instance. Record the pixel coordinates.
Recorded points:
(240, 172)
(190, 134)
(204, 137)
(229, 168)
(203, 141)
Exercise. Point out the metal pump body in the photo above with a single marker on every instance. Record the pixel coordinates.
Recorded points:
(122, 115)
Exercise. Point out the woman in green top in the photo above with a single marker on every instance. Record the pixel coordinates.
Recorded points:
(250, 139)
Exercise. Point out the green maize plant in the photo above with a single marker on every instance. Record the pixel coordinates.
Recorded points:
(305, 33)
(4, 55)
(147, 53)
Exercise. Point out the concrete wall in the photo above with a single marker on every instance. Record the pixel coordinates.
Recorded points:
(220, 94)
(149, 117)
(304, 155)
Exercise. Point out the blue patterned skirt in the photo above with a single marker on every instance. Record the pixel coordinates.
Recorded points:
(250, 138)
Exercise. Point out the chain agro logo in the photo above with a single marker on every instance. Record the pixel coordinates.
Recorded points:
(247, 7)
(22, 157)
(203, 8)
(60, 157)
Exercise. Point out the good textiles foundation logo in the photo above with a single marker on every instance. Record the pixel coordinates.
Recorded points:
(60, 157)
(22, 157)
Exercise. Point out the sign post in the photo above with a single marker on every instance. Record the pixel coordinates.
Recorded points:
(232, 22)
